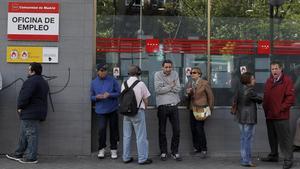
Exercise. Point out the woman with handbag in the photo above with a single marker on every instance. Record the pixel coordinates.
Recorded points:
(247, 116)
(201, 105)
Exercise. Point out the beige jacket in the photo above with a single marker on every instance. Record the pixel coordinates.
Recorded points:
(202, 95)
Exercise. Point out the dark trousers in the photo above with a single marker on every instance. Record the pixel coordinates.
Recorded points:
(279, 132)
(103, 120)
(198, 133)
(171, 113)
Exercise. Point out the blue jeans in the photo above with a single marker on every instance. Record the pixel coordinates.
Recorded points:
(246, 139)
(138, 123)
(28, 139)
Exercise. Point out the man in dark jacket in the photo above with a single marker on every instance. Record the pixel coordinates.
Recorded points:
(32, 108)
(279, 96)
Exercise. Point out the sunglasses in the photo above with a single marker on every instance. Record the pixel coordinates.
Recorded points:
(102, 70)
(194, 72)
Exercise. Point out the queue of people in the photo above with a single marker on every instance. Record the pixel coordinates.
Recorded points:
(279, 96)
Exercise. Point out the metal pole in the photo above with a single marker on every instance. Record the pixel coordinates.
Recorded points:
(208, 40)
(141, 32)
(271, 28)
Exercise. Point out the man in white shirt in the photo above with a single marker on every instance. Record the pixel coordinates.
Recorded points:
(137, 122)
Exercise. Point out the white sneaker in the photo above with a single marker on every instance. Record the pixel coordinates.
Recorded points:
(101, 153)
(114, 154)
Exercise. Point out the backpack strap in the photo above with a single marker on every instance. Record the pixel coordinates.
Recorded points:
(132, 86)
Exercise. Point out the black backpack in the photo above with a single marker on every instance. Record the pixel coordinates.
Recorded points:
(128, 104)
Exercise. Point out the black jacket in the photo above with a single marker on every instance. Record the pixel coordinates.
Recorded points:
(33, 98)
(246, 103)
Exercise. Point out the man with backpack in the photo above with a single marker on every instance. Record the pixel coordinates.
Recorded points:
(134, 115)
(105, 91)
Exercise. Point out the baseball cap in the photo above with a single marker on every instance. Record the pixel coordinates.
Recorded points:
(101, 66)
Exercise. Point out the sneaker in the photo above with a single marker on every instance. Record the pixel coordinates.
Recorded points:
(176, 157)
(14, 157)
(101, 153)
(148, 161)
(128, 161)
(113, 154)
(163, 156)
(203, 154)
(28, 161)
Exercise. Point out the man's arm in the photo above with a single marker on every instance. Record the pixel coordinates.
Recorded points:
(289, 96)
(93, 94)
(146, 101)
(116, 89)
(25, 94)
(176, 88)
(159, 85)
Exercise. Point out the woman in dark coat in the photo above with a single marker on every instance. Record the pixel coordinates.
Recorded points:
(247, 116)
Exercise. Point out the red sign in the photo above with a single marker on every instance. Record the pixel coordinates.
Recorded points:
(152, 45)
(33, 21)
(263, 47)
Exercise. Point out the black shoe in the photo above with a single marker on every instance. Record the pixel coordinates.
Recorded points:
(14, 157)
(270, 158)
(296, 148)
(28, 161)
(287, 164)
(163, 156)
(148, 161)
(248, 165)
(128, 161)
(176, 157)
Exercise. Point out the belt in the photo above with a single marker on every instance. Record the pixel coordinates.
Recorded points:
(169, 105)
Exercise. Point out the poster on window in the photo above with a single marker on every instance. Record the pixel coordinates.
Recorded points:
(34, 21)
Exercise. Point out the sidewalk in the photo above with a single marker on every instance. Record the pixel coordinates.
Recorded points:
(91, 162)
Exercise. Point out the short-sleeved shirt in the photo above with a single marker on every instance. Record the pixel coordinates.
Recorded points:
(140, 90)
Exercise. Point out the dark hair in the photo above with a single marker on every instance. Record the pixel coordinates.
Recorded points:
(134, 70)
(36, 68)
(166, 61)
(276, 62)
(198, 70)
(246, 78)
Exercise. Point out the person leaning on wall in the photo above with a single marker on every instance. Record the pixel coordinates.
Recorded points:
(167, 88)
(105, 91)
(246, 116)
(32, 108)
(201, 96)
